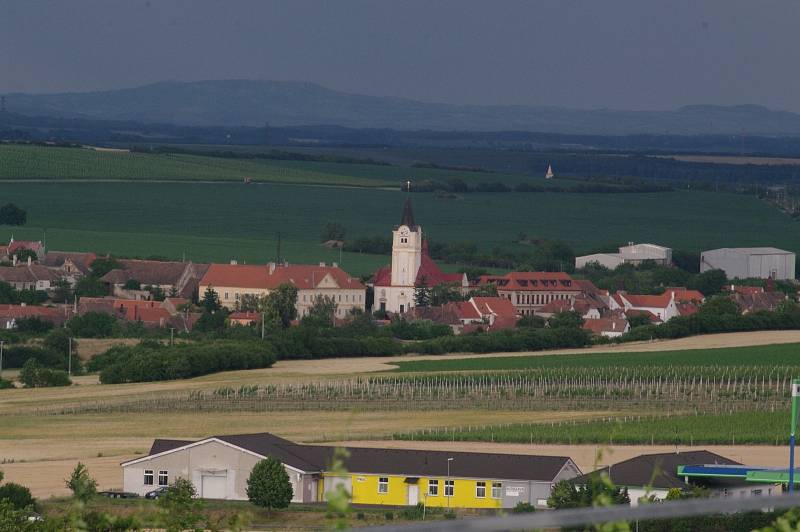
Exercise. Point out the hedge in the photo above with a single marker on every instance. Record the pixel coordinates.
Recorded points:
(153, 362)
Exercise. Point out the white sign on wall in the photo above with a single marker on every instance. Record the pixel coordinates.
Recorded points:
(514, 491)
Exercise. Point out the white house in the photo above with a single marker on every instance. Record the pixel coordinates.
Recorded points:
(663, 307)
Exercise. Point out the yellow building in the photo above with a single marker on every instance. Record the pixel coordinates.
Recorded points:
(220, 465)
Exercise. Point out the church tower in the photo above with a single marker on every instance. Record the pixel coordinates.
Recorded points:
(406, 249)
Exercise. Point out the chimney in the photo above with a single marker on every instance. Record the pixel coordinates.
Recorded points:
(29, 260)
(14, 260)
(321, 264)
(271, 268)
(23, 304)
(234, 262)
(335, 264)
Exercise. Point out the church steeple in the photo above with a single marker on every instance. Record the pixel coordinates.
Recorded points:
(408, 216)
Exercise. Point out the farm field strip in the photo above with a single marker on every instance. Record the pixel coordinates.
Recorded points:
(763, 427)
(764, 356)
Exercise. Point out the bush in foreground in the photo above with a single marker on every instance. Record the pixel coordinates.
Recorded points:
(33, 375)
(268, 485)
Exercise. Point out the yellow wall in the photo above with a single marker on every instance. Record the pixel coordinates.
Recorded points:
(365, 491)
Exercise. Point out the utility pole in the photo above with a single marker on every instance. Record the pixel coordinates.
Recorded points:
(263, 316)
(69, 358)
(1, 357)
(172, 336)
(795, 397)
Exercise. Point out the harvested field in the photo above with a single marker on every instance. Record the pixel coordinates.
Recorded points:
(40, 461)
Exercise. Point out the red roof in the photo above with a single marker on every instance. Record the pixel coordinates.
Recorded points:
(499, 306)
(30, 311)
(601, 325)
(684, 295)
(16, 245)
(532, 281)
(267, 277)
(429, 273)
(652, 317)
(687, 309)
(638, 300)
(148, 315)
(245, 316)
(556, 306)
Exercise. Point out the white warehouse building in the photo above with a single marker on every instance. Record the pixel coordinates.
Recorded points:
(744, 263)
(631, 254)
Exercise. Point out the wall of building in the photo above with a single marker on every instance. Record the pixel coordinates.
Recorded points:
(212, 458)
(743, 265)
(608, 260)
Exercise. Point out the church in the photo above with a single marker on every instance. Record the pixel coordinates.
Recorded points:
(411, 267)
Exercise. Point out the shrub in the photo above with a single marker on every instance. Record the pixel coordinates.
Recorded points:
(180, 506)
(4, 384)
(524, 508)
(34, 325)
(389, 516)
(16, 356)
(19, 496)
(268, 485)
(414, 513)
(92, 325)
(33, 375)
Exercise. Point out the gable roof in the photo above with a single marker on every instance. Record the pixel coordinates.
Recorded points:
(26, 273)
(312, 458)
(147, 272)
(658, 470)
(605, 325)
(270, 276)
(640, 300)
(532, 281)
(83, 261)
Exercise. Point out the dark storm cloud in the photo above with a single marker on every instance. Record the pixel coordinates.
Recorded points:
(633, 54)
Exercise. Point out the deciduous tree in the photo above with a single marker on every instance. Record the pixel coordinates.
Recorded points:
(268, 485)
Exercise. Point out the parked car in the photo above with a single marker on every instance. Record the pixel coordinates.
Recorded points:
(156, 493)
(118, 494)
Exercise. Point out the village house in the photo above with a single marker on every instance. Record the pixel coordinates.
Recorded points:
(654, 475)
(634, 254)
(151, 314)
(663, 307)
(178, 278)
(219, 467)
(14, 247)
(608, 327)
(28, 276)
(411, 267)
(485, 313)
(233, 281)
(751, 299)
(70, 266)
(11, 314)
(530, 291)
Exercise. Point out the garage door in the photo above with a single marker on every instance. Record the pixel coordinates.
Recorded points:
(214, 487)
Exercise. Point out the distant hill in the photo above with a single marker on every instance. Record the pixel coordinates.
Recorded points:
(254, 103)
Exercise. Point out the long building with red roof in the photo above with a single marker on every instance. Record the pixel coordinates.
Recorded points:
(411, 267)
(233, 281)
(530, 291)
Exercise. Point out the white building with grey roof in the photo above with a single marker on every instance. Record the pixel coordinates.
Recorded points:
(750, 263)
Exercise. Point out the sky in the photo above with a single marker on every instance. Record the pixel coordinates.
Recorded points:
(619, 54)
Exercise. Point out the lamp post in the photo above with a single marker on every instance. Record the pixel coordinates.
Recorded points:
(69, 358)
(795, 396)
(448, 482)
(1, 357)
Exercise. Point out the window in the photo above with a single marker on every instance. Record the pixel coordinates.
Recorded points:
(433, 488)
(449, 488)
(148, 477)
(480, 490)
(163, 478)
(757, 493)
(226, 295)
(497, 490)
(383, 485)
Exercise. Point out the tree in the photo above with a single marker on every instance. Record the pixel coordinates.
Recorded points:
(17, 520)
(10, 214)
(19, 496)
(718, 306)
(102, 265)
(569, 318)
(710, 282)
(156, 292)
(598, 491)
(90, 286)
(564, 495)
(444, 293)
(92, 325)
(33, 375)
(332, 231)
(250, 303)
(82, 485)
(422, 294)
(268, 485)
(62, 292)
(180, 508)
(280, 305)
(210, 300)
(531, 321)
(132, 284)
(322, 312)
(23, 254)
(638, 320)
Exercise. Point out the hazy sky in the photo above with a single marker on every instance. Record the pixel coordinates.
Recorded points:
(625, 54)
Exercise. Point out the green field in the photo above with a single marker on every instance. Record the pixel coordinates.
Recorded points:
(766, 355)
(38, 162)
(221, 221)
(769, 428)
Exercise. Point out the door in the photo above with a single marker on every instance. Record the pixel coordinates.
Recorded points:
(214, 487)
(413, 494)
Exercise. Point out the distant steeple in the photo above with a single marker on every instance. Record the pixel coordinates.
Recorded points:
(549, 174)
(408, 216)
